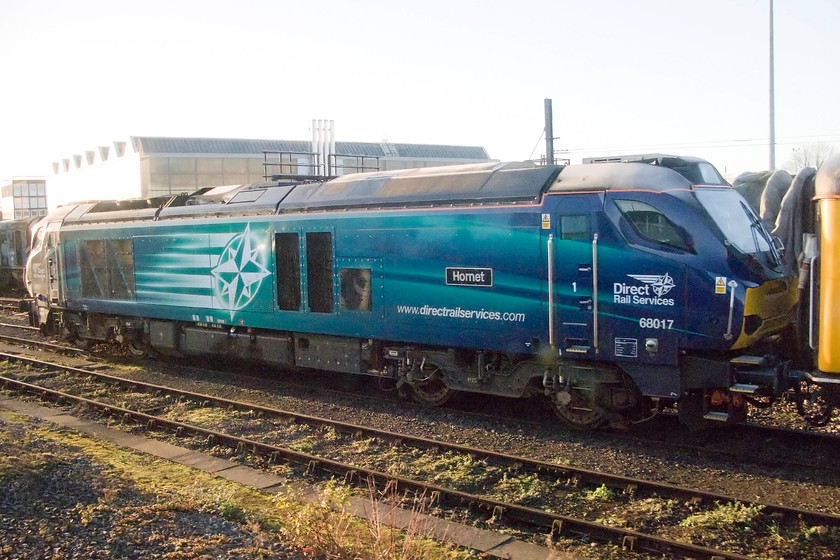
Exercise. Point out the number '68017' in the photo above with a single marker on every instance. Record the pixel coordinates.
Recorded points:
(655, 323)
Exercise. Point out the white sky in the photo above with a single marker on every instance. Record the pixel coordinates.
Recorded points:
(625, 76)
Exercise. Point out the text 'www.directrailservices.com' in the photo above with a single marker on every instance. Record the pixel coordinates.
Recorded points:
(460, 313)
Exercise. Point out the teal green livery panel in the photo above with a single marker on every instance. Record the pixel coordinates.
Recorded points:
(227, 272)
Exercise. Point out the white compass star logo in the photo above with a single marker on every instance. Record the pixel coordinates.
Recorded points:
(239, 273)
(662, 284)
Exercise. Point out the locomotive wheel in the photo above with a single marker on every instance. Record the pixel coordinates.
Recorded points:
(83, 343)
(137, 349)
(811, 405)
(430, 389)
(574, 408)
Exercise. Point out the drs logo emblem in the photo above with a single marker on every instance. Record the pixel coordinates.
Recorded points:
(661, 284)
(240, 271)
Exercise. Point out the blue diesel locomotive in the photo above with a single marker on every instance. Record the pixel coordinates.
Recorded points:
(614, 290)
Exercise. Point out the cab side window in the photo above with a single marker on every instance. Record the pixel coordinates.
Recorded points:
(652, 225)
(574, 227)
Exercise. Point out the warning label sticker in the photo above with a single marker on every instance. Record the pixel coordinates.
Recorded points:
(546, 221)
(626, 347)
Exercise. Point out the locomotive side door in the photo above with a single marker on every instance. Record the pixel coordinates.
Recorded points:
(570, 241)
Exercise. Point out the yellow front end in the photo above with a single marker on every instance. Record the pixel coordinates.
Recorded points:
(767, 310)
(828, 358)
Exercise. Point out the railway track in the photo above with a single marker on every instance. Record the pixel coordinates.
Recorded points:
(568, 479)
(755, 444)
(10, 304)
(750, 443)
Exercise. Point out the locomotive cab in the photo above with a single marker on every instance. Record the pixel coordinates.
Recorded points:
(663, 279)
(43, 269)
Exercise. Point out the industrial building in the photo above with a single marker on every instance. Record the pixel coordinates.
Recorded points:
(148, 166)
(23, 197)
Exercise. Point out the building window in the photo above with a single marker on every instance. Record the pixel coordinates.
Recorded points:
(27, 198)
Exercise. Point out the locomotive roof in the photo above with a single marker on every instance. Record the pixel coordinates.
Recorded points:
(619, 176)
(455, 184)
(470, 184)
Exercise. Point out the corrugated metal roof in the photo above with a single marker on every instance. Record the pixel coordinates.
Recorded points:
(359, 149)
(221, 146)
(164, 145)
(440, 151)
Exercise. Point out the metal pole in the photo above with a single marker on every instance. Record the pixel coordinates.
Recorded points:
(549, 134)
(772, 97)
(595, 343)
(550, 251)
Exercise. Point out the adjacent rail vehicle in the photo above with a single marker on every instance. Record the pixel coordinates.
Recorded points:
(610, 290)
(15, 241)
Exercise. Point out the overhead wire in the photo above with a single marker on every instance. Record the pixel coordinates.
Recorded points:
(542, 134)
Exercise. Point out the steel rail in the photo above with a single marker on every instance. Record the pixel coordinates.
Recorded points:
(22, 327)
(40, 344)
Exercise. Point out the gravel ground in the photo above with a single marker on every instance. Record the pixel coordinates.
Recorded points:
(59, 503)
